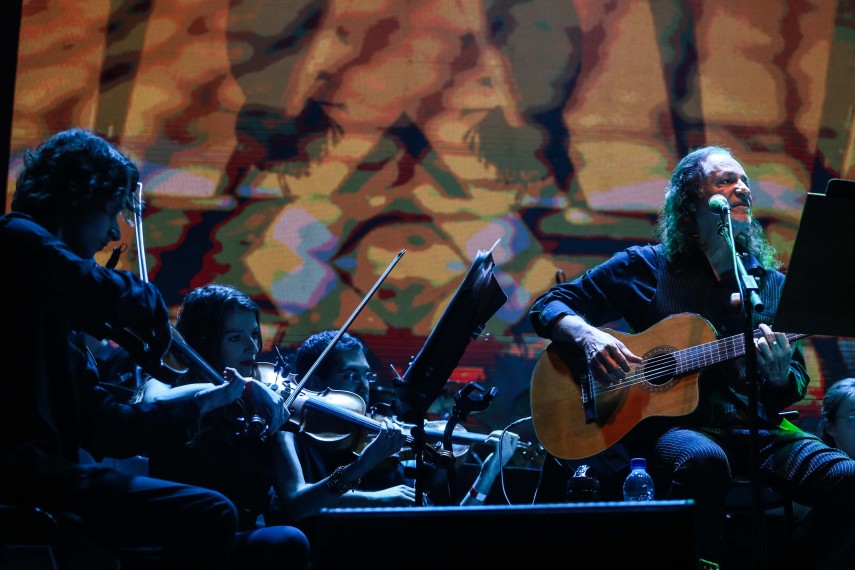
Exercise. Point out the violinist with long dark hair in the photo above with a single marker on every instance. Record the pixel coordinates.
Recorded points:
(222, 324)
(69, 197)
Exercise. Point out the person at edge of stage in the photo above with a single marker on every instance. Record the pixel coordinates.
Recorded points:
(70, 194)
(691, 271)
(837, 426)
(222, 324)
(325, 477)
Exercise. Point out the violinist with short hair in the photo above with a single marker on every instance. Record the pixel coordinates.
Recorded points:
(69, 197)
(325, 476)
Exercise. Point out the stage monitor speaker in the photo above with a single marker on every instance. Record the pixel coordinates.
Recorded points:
(659, 534)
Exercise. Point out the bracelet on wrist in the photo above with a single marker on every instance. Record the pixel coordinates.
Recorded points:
(338, 484)
(473, 492)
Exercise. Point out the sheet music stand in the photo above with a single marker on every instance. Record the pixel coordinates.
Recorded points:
(477, 299)
(819, 292)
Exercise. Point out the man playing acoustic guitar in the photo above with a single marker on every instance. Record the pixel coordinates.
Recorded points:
(641, 391)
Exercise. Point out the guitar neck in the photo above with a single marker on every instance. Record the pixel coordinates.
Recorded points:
(703, 355)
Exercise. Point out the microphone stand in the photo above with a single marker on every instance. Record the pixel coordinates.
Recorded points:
(747, 284)
(471, 398)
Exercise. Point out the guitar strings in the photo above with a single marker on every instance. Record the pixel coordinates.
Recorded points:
(660, 366)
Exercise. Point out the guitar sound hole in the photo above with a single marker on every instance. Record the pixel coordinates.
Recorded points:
(658, 369)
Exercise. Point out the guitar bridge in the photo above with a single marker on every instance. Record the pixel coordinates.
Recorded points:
(589, 401)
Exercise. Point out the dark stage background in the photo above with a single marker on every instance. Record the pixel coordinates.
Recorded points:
(292, 148)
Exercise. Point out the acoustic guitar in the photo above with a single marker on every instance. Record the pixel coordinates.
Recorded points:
(575, 416)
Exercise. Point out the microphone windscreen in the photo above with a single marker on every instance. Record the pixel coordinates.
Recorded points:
(718, 204)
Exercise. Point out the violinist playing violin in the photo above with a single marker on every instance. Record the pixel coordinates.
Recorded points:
(325, 474)
(330, 476)
(222, 324)
(69, 197)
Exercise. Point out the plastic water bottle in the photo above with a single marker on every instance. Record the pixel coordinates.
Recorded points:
(638, 485)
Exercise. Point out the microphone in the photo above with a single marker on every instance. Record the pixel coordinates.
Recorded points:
(718, 204)
(114, 257)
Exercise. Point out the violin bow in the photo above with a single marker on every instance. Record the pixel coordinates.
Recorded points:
(182, 348)
(138, 233)
(299, 387)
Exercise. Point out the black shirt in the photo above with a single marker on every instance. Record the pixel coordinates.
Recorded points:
(642, 287)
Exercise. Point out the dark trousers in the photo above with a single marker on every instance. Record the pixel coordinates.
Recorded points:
(194, 527)
(699, 465)
(270, 547)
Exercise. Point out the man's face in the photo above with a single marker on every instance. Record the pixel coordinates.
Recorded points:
(90, 231)
(724, 176)
(350, 373)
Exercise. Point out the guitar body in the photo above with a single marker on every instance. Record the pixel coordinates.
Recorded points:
(559, 383)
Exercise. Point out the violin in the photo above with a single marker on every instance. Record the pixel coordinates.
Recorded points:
(337, 420)
(299, 401)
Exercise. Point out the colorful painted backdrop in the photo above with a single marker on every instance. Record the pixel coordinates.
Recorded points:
(293, 147)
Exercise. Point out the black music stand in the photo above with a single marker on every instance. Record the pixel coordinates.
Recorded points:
(818, 292)
(816, 297)
(477, 299)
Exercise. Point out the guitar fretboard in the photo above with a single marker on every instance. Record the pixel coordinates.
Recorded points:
(703, 355)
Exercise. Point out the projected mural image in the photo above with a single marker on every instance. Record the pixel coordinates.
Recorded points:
(293, 148)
